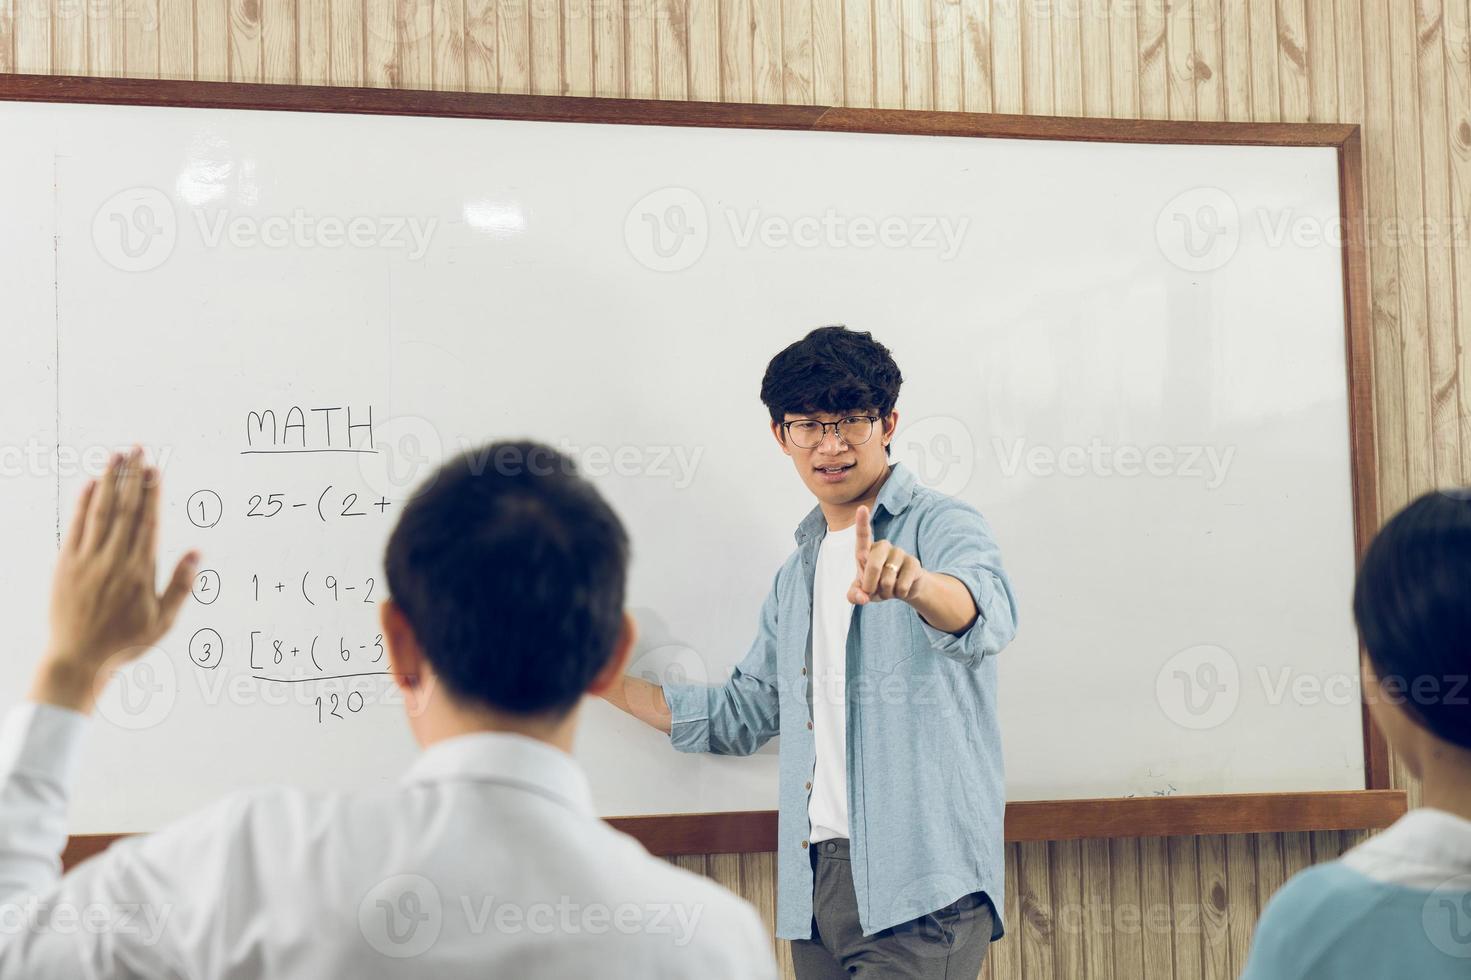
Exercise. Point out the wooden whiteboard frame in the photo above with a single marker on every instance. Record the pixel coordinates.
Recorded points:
(1375, 806)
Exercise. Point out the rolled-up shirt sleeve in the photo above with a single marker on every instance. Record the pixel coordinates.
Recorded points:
(957, 541)
(741, 715)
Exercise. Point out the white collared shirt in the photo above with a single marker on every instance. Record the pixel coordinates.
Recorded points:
(1422, 849)
(487, 860)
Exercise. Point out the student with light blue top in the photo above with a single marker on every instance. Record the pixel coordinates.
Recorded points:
(1399, 905)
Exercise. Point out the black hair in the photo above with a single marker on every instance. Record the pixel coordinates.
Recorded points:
(832, 369)
(1412, 603)
(510, 569)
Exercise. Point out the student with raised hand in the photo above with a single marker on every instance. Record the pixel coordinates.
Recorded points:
(875, 660)
(1399, 904)
(487, 859)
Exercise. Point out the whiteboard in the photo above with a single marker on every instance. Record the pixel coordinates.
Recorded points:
(1130, 358)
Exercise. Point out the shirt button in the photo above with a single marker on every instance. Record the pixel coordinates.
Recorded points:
(809, 724)
(809, 785)
(804, 671)
(804, 844)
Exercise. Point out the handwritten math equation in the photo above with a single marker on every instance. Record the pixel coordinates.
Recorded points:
(315, 589)
(330, 657)
(206, 508)
(281, 644)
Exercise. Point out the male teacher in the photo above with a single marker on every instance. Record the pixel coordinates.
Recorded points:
(874, 659)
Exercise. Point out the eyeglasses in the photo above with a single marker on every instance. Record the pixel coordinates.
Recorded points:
(854, 430)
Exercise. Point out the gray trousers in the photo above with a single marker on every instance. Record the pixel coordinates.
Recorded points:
(947, 944)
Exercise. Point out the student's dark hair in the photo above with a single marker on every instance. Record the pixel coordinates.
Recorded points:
(1412, 603)
(510, 569)
(832, 369)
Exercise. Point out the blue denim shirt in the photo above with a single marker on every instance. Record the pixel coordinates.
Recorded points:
(926, 790)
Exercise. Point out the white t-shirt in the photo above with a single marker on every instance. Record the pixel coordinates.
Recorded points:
(837, 565)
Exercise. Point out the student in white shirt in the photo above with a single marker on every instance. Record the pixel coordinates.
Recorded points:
(487, 859)
(1399, 904)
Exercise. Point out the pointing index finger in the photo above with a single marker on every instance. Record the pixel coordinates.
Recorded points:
(865, 533)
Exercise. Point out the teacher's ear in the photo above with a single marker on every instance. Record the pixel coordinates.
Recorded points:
(776, 433)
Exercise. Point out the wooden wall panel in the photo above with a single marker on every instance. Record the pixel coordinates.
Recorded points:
(1153, 907)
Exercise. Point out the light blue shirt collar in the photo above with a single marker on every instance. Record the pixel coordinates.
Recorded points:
(894, 496)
